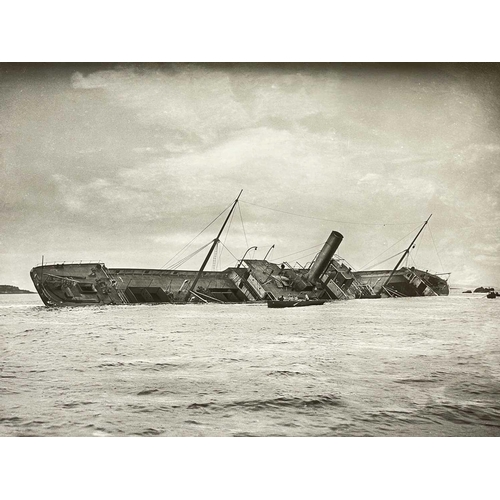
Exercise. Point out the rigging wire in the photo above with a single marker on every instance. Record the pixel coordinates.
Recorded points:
(225, 238)
(308, 255)
(435, 248)
(242, 225)
(413, 260)
(381, 253)
(389, 258)
(185, 259)
(300, 251)
(332, 220)
(236, 258)
(184, 248)
(191, 255)
(418, 246)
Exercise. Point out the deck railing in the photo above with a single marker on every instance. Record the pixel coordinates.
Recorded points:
(59, 262)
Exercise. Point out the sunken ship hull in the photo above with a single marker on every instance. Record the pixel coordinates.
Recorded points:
(404, 282)
(82, 284)
(326, 279)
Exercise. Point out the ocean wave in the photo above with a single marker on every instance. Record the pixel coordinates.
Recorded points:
(285, 372)
(466, 414)
(274, 403)
(141, 365)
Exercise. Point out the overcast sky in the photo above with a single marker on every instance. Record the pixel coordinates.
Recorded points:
(128, 163)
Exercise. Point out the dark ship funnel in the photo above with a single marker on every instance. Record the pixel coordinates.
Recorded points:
(327, 252)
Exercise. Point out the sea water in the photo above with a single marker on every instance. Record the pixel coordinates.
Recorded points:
(426, 366)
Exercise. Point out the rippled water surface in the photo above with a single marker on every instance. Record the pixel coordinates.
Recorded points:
(389, 367)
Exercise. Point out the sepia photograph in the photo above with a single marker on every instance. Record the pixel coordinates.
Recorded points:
(270, 275)
(250, 249)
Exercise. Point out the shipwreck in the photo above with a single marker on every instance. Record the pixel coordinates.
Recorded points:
(327, 278)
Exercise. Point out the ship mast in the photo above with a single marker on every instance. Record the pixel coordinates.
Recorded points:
(406, 252)
(212, 248)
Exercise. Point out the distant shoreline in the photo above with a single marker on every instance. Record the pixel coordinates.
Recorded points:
(10, 289)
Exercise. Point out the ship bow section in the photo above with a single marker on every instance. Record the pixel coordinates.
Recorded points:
(76, 285)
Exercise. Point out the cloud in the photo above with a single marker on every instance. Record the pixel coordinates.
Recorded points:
(195, 103)
(370, 178)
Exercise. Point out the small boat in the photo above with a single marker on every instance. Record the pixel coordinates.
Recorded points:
(280, 304)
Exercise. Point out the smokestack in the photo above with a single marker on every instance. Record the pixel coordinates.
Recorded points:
(327, 252)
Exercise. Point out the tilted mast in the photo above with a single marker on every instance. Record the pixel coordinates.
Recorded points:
(406, 252)
(212, 248)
